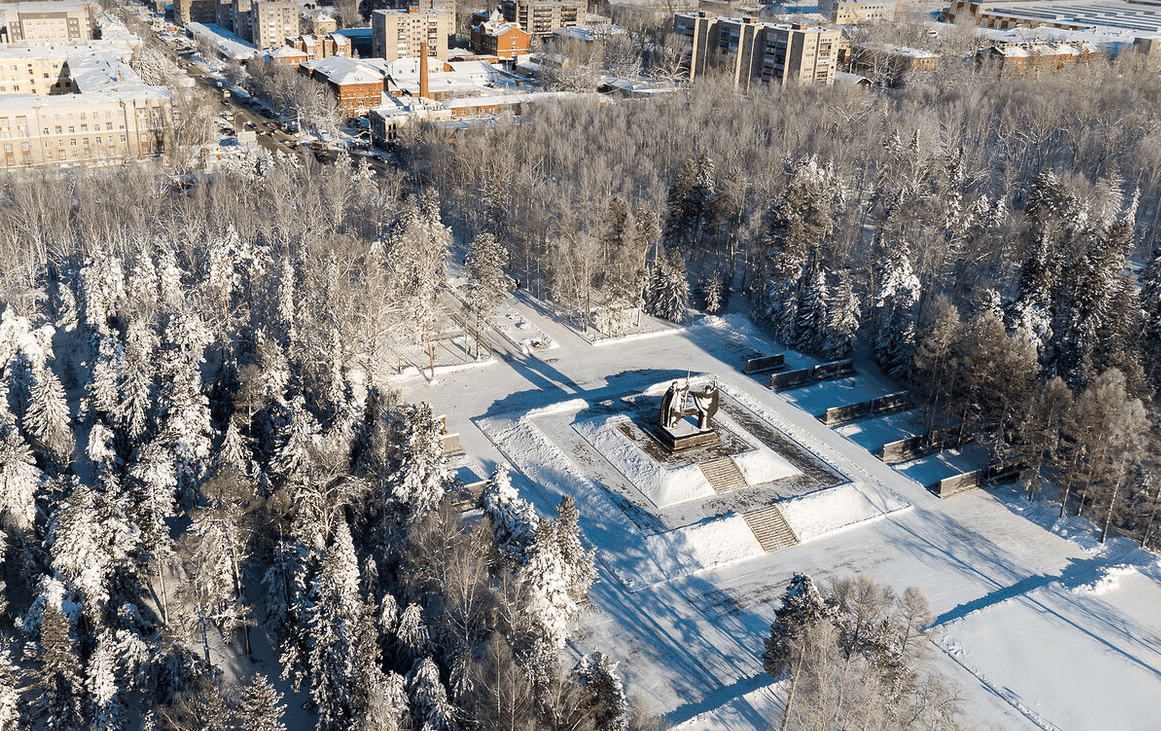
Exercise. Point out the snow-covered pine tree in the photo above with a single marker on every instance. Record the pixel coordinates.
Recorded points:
(106, 683)
(811, 314)
(689, 206)
(47, 420)
(416, 254)
(803, 608)
(286, 314)
(101, 391)
(842, 319)
(488, 285)
(169, 279)
(58, 686)
(12, 687)
(545, 577)
(513, 519)
(387, 706)
(153, 486)
(412, 636)
(102, 289)
(430, 708)
(185, 411)
(335, 616)
(19, 478)
(580, 567)
(894, 312)
(294, 455)
(667, 288)
(609, 707)
(76, 544)
(418, 485)
(138, 366)
(261, 708)
(716, 292)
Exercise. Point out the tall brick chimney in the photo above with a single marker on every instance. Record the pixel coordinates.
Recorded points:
(423, 70)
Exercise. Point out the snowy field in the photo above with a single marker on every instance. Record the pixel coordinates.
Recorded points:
(1040, 625)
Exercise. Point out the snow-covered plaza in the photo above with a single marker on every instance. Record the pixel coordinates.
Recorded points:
(1039, 624)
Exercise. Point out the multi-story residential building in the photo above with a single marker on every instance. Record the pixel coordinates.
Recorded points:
(750, 50)
(494, 36)
(357, 86)
(542, 17)
(60, 20)
(242, 21)
(844, 12)
(444, 6)
(400, 33)
(272, 23)
(87, 105)
(320, 24)
(195, 11)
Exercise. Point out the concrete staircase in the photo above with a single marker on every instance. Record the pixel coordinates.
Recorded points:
(723, 475)
(770, 528)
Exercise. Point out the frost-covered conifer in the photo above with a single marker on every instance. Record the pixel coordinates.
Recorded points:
(488, 285)
(842, 319)
(811, 314)
(19, 478)
(102, 396)
(667, 288)
(513, 519)
(169, 280)
(77, 547)
(411, 634)
(579, 565)
(598, 676)
(895, 302)
(261, 707)
(47, 421)
(12, 686)
(294, 456)
(544, 576)
(58, 686)
(430, 707)
(335, 617)
(418, 485)
(286, 314)
(137, 389)
(102, 286)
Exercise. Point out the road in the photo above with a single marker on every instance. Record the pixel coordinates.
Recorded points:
(269, 132)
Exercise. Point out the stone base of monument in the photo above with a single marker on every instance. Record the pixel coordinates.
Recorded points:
(683, 435)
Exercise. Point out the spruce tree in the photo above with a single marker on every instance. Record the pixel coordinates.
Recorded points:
(667, 288)
(488, 285)
(47, 421)
(842, 319)
(260, 707)
(894, 308)
(609, 707)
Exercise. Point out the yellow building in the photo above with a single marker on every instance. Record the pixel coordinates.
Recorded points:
(400, 33)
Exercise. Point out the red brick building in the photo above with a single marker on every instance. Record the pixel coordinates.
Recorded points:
(495, 37)
(356, 86)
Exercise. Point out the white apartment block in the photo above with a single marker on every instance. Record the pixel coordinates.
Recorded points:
(80, 104)
(272, 23)
(50, 20)
(399, 33)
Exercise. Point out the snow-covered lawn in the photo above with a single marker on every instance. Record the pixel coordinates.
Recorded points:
(1042, 627)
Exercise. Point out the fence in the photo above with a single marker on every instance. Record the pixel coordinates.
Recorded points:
(764, 364)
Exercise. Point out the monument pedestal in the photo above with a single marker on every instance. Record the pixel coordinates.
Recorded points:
(683, 435)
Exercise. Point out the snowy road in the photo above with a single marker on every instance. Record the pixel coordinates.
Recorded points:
(1035, 626)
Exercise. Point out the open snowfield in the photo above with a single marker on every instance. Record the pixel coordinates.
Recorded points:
(1041, 626)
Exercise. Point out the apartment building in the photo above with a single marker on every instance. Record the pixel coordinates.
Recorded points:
(60, 20)
(749, 50)
(542, 17)
(854, 13)
(316, 47)
(195, 11)
(82, 104)
(444, 6)
(400, 33)
(272, 23)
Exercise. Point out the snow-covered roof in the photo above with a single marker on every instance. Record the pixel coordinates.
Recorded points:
(285, 52)
(224, 41)
(50, 6)
(343, 70)
(99, 69)
(894, 50)
(590, 33)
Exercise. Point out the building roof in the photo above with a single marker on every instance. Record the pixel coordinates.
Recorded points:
(223, 40)
(1097, 15)
(99, 69)
(50, 6)
(590, 33)
(342, 70)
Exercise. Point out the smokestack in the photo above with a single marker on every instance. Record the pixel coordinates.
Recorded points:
(423, 70)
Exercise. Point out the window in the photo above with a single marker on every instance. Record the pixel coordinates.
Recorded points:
(72, 129)
(58, 129)
(122, 138)
(73, 142)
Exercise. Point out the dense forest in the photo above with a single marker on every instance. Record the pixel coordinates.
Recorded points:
(197, 442)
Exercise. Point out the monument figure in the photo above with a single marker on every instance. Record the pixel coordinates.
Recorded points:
(672, 405)
(706, 403)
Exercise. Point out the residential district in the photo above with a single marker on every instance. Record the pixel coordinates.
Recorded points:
(69, 94)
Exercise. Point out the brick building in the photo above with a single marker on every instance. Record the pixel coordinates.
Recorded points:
(272, 23)
(356, 86)
(496, 37)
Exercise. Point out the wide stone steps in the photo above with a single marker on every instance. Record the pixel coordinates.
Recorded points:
(770, 528)
(723, 475)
